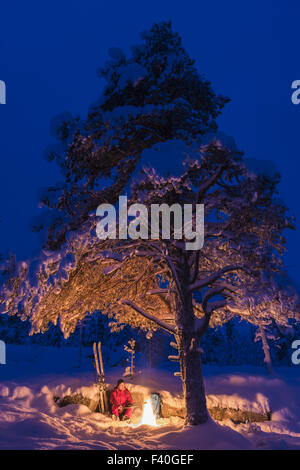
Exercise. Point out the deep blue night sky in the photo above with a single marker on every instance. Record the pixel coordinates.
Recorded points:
(49, 54)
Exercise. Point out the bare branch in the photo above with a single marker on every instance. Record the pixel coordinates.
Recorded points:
(208, 308)
(150, 317)
(160, 291)
(213, 277)
(206, 185)
(215, 305)
(211, 293)
(178, 285)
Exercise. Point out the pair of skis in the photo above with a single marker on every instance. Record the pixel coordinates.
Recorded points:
(103, 402)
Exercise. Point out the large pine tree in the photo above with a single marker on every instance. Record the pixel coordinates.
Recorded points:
(153, 96)
(150, 283)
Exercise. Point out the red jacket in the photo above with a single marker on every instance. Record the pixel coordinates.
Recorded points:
(121, 397)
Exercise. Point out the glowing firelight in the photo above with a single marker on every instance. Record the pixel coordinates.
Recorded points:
(148, 416)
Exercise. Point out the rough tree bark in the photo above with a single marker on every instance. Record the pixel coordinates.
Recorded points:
(266, 349)
(190, 363)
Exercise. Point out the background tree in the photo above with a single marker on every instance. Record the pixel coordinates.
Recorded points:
(130, 348)
(265, 304)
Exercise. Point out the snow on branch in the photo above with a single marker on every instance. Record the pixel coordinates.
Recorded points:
(200, 284)
(150, 317)
(207, 184)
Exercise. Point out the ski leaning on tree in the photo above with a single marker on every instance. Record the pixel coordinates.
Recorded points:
(98, 364)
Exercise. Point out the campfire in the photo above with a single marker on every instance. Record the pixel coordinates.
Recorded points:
(148, 417)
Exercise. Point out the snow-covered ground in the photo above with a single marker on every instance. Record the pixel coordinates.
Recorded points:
(29, 419)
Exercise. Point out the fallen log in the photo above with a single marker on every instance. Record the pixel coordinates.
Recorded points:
(218, 413)
(92, 404)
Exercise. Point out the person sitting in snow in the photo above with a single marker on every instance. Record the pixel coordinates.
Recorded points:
(121, 401)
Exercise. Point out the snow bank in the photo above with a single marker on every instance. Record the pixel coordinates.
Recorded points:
(30, 419)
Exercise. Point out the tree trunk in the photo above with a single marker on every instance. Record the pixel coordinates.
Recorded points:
(266, 349)
(190, 365)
